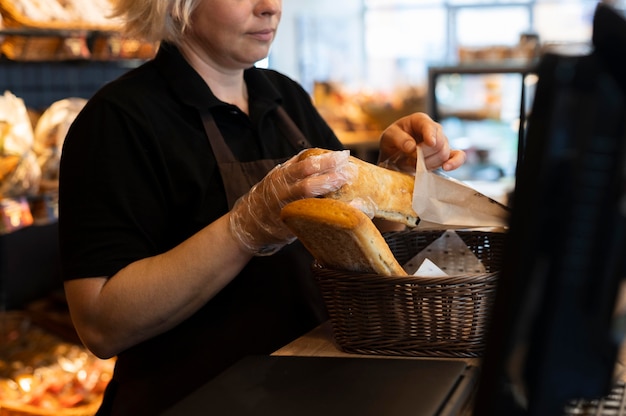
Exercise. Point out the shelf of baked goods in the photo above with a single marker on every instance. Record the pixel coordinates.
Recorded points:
(358, 117)
(38, 45)
(43, 373)
(30, 150)
(68, 30)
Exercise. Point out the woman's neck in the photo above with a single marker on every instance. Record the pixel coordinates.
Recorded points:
(226, 84)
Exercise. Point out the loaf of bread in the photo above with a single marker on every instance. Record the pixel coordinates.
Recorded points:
(389, 191)
(340, 236)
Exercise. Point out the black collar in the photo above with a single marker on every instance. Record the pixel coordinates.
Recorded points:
(191, 89)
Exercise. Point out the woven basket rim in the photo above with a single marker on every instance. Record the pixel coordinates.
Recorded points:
(324, 273)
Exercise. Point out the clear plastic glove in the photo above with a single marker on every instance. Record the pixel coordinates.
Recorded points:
(397, 162)
(255, 218)
(366, 205)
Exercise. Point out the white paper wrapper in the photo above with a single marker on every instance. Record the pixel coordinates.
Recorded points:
(440, 199)
(429, 269)
(449, 254)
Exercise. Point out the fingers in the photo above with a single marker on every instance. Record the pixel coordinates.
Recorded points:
(418, 129)
(295, 169)
(322, 163)
(330, 172)
(394, 140)
(406, 133)
(456, 160)
(436, 156)
(429, 131)
(255, 217)
(314, 176)
(317, 185)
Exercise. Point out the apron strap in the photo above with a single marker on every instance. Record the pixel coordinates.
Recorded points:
(223, 154)
(289, 128)
(239, 177)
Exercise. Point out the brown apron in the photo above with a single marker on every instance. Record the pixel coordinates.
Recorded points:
(238, 177)
(273, 300)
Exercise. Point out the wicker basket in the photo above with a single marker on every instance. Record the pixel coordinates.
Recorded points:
(413, 315)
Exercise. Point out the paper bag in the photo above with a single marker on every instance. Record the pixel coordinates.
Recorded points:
(440, 199)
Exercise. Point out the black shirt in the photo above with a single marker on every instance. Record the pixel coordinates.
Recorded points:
(138, 177)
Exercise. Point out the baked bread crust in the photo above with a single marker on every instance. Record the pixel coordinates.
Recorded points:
(340, 236)
(390, 192)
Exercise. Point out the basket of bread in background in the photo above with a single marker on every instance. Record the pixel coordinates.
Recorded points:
(423, 291)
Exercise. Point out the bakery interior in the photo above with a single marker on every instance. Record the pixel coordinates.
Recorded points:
(469, 64)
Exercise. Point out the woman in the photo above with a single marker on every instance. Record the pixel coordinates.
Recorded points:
(165, 243)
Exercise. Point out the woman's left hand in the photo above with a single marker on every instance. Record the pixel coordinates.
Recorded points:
(399, 142)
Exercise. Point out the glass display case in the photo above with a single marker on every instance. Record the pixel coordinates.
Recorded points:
(482, 109)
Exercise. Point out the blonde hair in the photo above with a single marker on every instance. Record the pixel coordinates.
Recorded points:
(155, 20)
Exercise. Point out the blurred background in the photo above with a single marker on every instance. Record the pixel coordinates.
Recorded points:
(467, 63)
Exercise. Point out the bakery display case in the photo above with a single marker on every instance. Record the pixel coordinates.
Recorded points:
(483, 108)
(64, 30)
(54, 55)
(44, 374)
(58, 49)
(51, 60)
(358, 117)
(41, 365)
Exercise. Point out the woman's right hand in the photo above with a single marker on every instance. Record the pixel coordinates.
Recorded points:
(255, 218)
